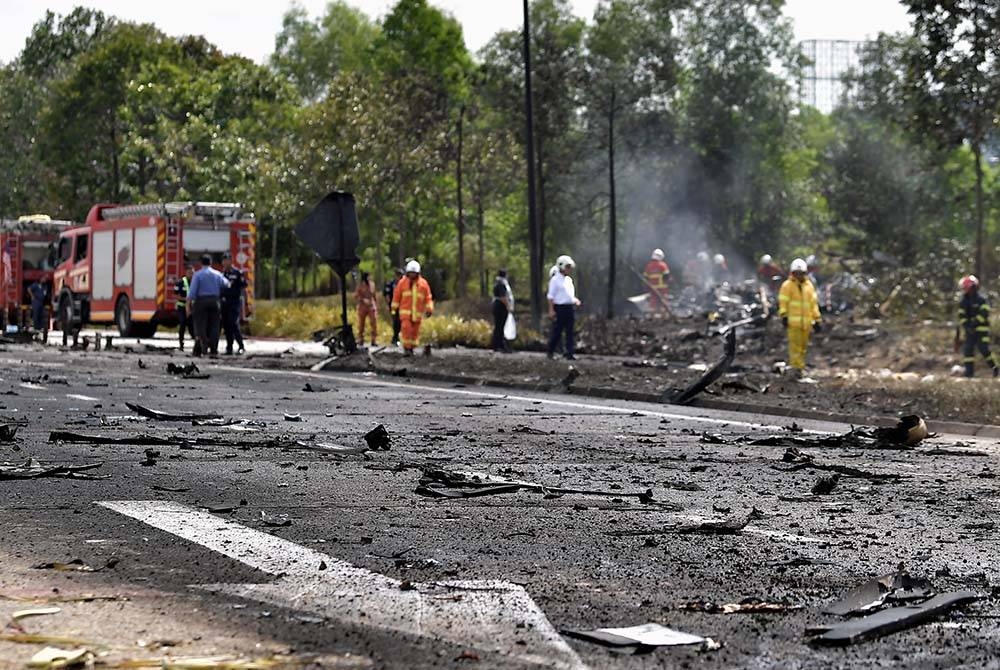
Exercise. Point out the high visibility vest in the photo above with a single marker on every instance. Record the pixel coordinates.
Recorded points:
(412, 298)
(974, 315)
(654, 274)
(182, 288)
(798, 303)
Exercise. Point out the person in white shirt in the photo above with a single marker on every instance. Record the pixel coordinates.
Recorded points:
(562, 306)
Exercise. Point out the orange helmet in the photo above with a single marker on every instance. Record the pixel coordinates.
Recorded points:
(969, 283)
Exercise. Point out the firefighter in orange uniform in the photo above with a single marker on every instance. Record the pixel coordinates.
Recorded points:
(657, 274)
(413, 300)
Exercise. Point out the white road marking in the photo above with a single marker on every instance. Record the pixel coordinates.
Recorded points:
(520, 398)
(80, 396)
(492, 616)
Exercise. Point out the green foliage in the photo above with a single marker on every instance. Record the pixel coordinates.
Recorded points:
(711, 149)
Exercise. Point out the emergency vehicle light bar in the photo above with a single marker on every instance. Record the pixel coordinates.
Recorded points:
(205, 211)
(27, 224)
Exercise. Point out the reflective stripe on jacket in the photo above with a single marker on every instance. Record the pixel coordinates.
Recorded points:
(974, 314)
(797, 302)
(412, 299)
(655, 274)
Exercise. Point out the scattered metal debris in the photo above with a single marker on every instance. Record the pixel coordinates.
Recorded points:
(38, 611)
(167, 416)
(453, 484)
(274, 520)
(896, 587)
(7, 432)
(187, 371)
(309, 388)
(745, 606)
(53, 657)
(33, 469)
(293, 417)
(730, 526)
(378, 438)
(685, 396)
(645, 635)
(803, 461)
(888, 620)
(74, 565)
(825, 484)
(45, 379)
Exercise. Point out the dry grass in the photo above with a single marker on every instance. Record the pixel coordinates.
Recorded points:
(300, 318)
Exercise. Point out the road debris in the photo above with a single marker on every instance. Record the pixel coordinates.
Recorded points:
(309, 388)
(803, 461)
(33, 469)
(378, 438)
(870, 596)
(38, 611)
(888, 620)
(292, 417)
(53, 657)
(452, 484)
(7, 432)
(187, 371)
(685, 396)
(275, 520)
(74, 565)
(170, 489)
(150, 457)
(825, 484)
(730, 526)
(167, 416)
(745, 606)
(645, 635)
(45, 379)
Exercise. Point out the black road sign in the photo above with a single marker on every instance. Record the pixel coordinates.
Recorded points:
(331, 230)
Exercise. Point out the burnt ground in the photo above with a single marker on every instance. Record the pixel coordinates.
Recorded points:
(587, 561)
(857, 368)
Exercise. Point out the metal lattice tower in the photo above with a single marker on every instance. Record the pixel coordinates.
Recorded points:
(829, 60)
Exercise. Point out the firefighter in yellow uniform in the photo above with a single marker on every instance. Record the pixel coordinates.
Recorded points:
(413, 301)
(799, 311)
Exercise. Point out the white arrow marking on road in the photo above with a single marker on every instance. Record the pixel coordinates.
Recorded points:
(490, 615)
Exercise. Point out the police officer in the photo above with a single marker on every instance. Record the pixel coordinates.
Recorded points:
(232, 304)
(181, 289)
(207, 286)
(387, 291)
(38, 295)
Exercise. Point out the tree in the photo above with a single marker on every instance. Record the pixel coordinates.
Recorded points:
(556, 53)
(630, 71)
(736, 112)
(312, 53)
(955, 80)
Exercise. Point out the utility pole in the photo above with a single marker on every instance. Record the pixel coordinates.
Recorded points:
(533, 241)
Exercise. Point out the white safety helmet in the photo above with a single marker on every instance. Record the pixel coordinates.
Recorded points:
(657, 254)
(413, 266)
(719, 259)
(799, 265)
(766, 259)
(564, 261)
(702, 256)
(811, 261)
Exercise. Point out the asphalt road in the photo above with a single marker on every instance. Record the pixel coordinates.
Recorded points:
(370, 573)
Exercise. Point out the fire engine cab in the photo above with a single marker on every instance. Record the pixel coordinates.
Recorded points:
(121, 266)
(28, 248)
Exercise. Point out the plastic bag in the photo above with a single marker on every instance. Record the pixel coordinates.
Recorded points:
(510, 327)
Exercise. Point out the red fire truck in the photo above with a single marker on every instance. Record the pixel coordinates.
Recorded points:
(28, 248)
(121, 266)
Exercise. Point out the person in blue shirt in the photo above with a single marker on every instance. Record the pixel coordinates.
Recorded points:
(38, 294)
(232, 304)
(205, 304)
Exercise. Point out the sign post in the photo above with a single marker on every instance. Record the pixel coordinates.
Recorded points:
(331, 230)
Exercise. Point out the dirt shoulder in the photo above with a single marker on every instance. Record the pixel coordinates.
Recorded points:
(862, 369)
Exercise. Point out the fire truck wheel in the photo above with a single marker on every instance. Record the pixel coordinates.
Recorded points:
(123, 317)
